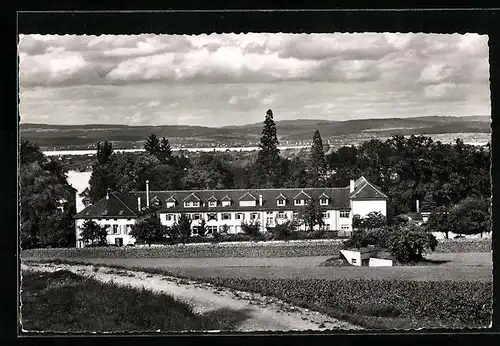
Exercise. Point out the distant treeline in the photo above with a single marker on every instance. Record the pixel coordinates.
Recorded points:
(297, 130)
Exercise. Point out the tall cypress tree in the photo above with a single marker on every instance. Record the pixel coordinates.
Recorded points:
(152, 145)
(317, 162)
(317, 153)
(165, 151)
(269, 154)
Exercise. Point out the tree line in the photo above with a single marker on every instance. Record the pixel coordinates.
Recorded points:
(405, 168)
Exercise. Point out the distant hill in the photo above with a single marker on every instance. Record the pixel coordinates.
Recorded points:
(288, 130)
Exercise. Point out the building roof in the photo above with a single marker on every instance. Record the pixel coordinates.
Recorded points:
(364, 189)
(111, 208)
(127, 202)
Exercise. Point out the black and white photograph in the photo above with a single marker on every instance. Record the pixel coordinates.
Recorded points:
(254, 182)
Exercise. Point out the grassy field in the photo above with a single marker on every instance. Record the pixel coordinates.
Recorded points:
(455, 267)
(66, 302)
(373, 304)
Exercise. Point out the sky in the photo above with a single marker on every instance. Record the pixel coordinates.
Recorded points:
(233, 79)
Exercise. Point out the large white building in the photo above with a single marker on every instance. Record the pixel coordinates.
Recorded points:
(227, 209)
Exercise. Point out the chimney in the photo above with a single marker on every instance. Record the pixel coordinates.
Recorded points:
(107, 193)
(260, 200)
(418, 206)
(147, 193)
(351, 186)
(139, 203)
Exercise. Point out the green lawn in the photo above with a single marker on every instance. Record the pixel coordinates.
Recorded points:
(66, 302)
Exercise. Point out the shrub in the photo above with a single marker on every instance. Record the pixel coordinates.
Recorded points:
(184, 225)
(285, 230)
(362, 238)
(371, 221)
(94, 233)
(408, 243)
(148, 229)
(252, 229)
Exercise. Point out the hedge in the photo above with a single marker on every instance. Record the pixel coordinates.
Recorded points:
(249, 249)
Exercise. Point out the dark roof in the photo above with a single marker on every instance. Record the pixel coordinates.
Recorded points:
(339, 198)
(114, 207)
(126, 202)
(364, 189)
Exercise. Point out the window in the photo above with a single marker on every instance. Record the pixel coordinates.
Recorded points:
(281, 202)
(344, 227)
(240, 216)
(211, 229)
(170, 204)
(191, 204)
(248, 203)
(269, 213)
(269, 221)
(281, 216)
(128, 228)
(212, 216)
(354, 261)
(212, 203)
(196, 216)
(325, 215)
(323, 201)
(226, 203)
(169, 217)
(115, 229)
(299, 202)
(226, 216)
(327, 226)
(254, 216)
(295, 215)
(344, 213)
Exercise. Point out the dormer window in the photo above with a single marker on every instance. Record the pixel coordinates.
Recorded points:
(301, 198)
(247, 200)
(323, 199)
(191, 204)
(281, 200)
(226, 201)
(191, 201)
(170, 202)
(212, 201)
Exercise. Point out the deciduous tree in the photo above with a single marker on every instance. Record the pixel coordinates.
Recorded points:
(93, 233)
(148, 228)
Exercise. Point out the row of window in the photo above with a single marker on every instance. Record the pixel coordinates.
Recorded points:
(253, 216)
(237, 228)
(118, 229)
(211, 204)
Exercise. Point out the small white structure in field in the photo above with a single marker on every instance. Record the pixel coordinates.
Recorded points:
(366, 256)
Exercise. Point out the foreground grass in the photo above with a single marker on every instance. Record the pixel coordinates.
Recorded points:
(64, 301)
(372, 304)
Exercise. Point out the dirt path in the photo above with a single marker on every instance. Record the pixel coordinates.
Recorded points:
(260, 313)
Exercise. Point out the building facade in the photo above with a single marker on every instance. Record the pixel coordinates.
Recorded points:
(226, 210)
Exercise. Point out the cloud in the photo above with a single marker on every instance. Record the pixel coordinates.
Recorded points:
(230, 58)
(228, 75)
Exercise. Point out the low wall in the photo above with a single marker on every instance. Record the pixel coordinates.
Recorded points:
(463, 245)
(300, 248)
(263, 250)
